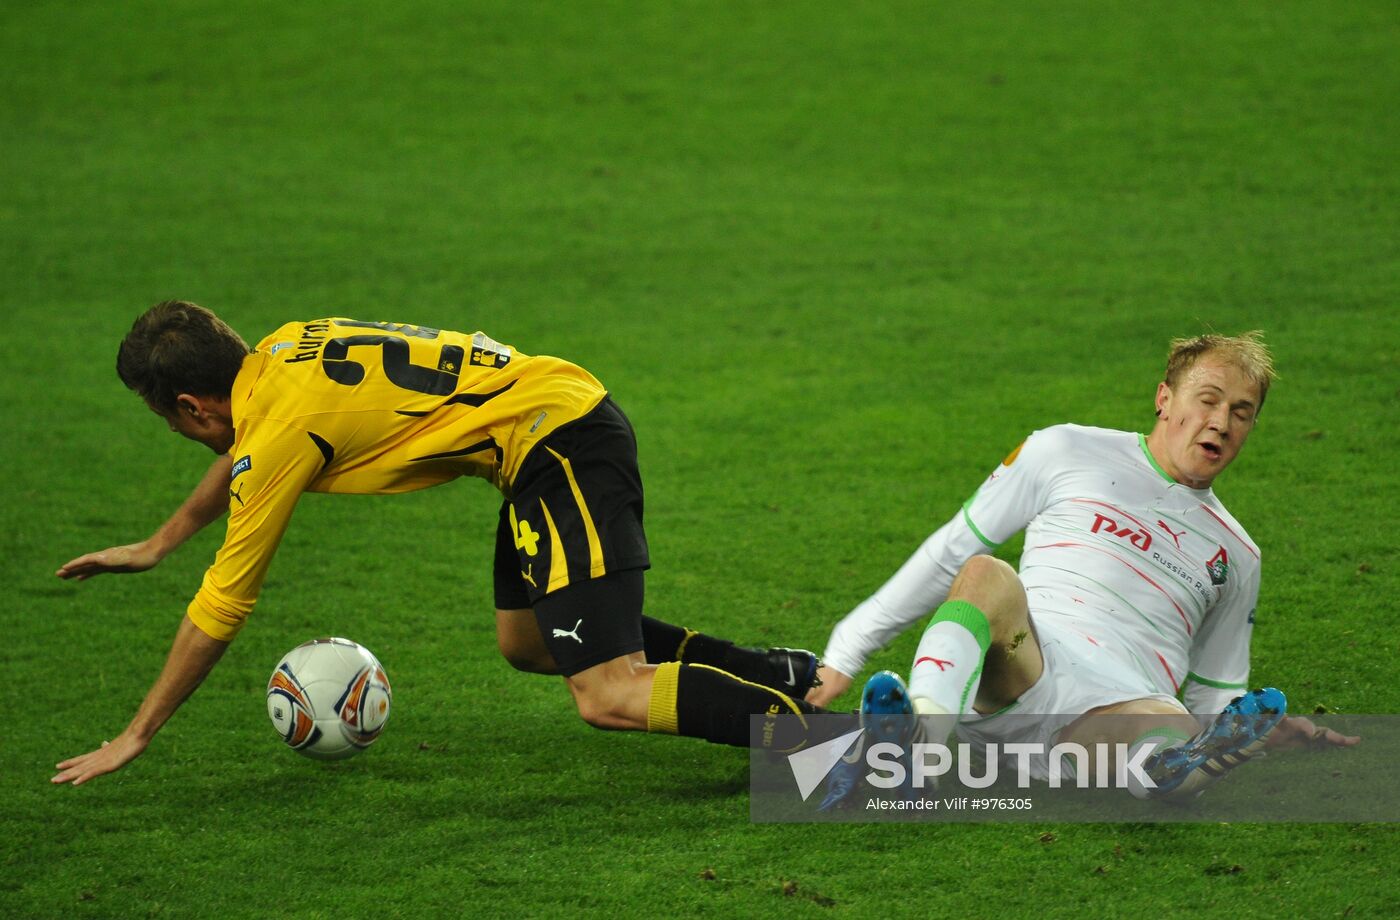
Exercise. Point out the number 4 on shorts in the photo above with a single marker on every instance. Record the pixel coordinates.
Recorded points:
(525, 538)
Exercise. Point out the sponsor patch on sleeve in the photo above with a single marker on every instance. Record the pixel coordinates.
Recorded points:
(487, 352)
(243, 465)
(279, 346)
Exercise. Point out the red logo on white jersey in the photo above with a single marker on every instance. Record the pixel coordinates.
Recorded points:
(1139, 538)
(942, 665)
(1219, 567)
(1176, 537)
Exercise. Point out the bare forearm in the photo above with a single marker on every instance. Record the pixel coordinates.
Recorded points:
(208, 501)
(192, 656)
(206, 504)
(919, 586)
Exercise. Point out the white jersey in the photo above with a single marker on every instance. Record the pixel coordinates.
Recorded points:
(1158, 574)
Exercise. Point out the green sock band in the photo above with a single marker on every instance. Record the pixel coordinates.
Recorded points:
(968, 617)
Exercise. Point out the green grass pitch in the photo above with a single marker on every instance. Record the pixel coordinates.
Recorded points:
(834, 260)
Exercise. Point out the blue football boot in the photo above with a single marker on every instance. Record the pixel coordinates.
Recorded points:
(844, 778)
(1236, 735)
(886, 714)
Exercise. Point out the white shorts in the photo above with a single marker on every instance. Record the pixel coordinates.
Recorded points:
(1078, 676)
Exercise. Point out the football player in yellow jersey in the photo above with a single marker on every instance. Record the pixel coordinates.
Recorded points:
(338, 405)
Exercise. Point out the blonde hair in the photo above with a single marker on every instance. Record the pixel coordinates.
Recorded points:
(1246, 351)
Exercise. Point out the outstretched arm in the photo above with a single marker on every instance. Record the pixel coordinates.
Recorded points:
(917, 588)
(1014, 493)
(206, 503)
(192, 656)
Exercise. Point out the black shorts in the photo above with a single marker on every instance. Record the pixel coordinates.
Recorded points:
(575, 516)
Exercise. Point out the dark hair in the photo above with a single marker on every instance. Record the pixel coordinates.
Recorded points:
(179, 347)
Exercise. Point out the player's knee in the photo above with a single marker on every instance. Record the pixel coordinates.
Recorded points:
(994, 588)
(518, 639)
(525, 662)
(987, 573)
(523, 657)
(989, 582)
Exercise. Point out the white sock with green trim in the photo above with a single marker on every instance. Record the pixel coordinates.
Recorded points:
(948, 664)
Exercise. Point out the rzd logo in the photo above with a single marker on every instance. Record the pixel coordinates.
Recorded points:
(1139, 538)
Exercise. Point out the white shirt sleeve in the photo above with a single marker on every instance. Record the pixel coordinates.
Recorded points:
(1002, 507)
(1220, 651)
(920, 585)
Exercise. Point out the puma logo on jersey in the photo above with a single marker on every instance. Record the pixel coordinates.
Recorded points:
(528, 575)
(239, 494)
(571, 633)
(1139, 538)
(1176, 537)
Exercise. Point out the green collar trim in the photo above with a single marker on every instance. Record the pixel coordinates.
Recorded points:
(1142, 442)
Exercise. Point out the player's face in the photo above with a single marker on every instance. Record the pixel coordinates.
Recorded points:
(1204, 421)
(194, 421)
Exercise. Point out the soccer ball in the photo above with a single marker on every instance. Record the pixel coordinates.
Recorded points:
(328, 698)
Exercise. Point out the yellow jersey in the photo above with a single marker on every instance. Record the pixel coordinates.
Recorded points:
(338, 405)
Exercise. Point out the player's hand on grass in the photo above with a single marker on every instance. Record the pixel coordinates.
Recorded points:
(134, 557)
(833, 684)
(1295, 733)
(113, 755)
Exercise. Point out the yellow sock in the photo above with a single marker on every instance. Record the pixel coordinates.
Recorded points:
(661, 709)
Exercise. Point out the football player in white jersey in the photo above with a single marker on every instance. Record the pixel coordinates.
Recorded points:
(1134, 600)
